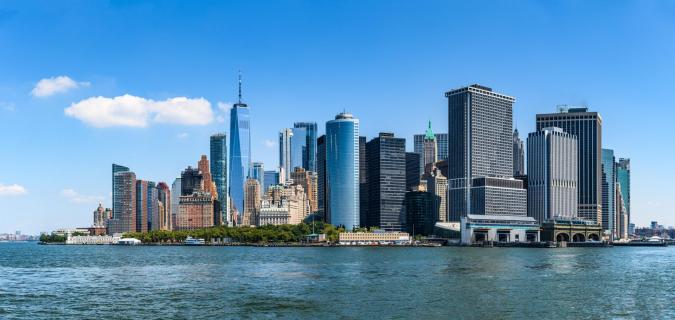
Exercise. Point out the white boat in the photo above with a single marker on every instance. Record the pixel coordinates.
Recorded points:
(190, 241)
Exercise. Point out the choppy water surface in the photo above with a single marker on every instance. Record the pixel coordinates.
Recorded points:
(112, 282)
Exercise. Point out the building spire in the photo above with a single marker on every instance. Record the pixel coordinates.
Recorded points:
(239, 86)
(430, 134)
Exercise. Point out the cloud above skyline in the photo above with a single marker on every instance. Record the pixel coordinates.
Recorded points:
(75, 197)
(50, 86)
(12, 190)
(133, 111)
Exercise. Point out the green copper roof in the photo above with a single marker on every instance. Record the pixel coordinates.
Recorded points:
(430, 134)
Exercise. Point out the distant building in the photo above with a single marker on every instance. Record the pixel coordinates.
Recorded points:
(552, 174)
(195, 211)
(369, 238)
(101, 215)
(518, 155)
(115, 169)
(386, 182)
(271, 214)
(218, 145)
(153, 207)
(608, 191)
(298, 147)
(587, 127)
(499, 197)
(175, 200)
(623, 180)
(342, 171)
(363, 181)
(165, 201)
(252, 197)
(295, 198)
(304, 178)
(570, 230)
(323, 209)
(412, 170)
(437, 184)
(258, 173)
(441, 147)
(480, 126)
(141, 206)
(309, 150)
(271, 178)
(285, 155)
(191, 181)
(421, 212)
(124, 203)
(621, 225)
(430, 147)
(207, 183)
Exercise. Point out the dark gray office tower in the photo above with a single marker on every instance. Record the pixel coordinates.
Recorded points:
(518, 155)
(321, 178)
(385, 157)
(218, 148)
(115, 169)
(587, 126)
(412, 170)
(363, 187)
(608, 190)
(480, 128)
(190, 181)
(421, 209)
(309, 152)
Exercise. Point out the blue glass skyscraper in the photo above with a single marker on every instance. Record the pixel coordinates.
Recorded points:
(298, 148)
(219, 175)
(240, 151)
(342, 170)
(258, 173)
(608, 190)
(309, 153)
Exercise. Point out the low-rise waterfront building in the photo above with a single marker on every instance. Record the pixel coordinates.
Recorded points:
(476, 229)
(95, 240)
(570, 230)
(370, 238)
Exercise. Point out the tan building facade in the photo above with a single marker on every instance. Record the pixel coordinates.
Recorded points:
(195, 212)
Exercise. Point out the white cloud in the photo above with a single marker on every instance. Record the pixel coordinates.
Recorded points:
(12, 190)
(7, 106)
(220, 119)
(132, 111)
(270, 143)
(75, 197)
(51, 86)
(182, 135)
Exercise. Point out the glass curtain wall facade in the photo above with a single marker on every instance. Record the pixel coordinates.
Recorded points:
(218, 146)
(342, 170)
(386, 182)
(240, 153)
(608, 190)
(309, 154)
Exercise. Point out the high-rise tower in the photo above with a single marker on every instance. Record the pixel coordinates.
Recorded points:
(342, 170)
(219, 174)
(587, 126)
(240, 151)
(518, 155)
(385, 156)
(285, 166)
(309, 153)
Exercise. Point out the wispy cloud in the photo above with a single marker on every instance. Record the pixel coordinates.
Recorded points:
(7, 106)
(182, 135)
(132, 111)
(51, 86)
(75, 197)
(224, 106)
(12, 190)
(270, 143)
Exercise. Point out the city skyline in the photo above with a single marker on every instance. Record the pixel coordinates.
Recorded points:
(80, 144)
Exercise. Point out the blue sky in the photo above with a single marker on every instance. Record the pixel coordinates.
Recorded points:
(388, 62)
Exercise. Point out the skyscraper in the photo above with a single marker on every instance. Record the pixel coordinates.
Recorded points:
(587, 126)
(342, 170)
(298, 147)
(321, 201)
(115, 169)
(153, 207)
(124, 202)
(218, 150)
(208, 185)
(285, 155)
(141, 206)
(430, 147)
(240, 151)
(608, 190)
(309, 152)
(304, 178)
(175, 200)
(552, 174)
(258, 173)
(623, 179)
(412, 170)
(480, 124)
(518, 155)
(386, 182)
(363, 181)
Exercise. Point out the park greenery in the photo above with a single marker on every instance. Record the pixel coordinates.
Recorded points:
(52, 238)
(254, 235)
